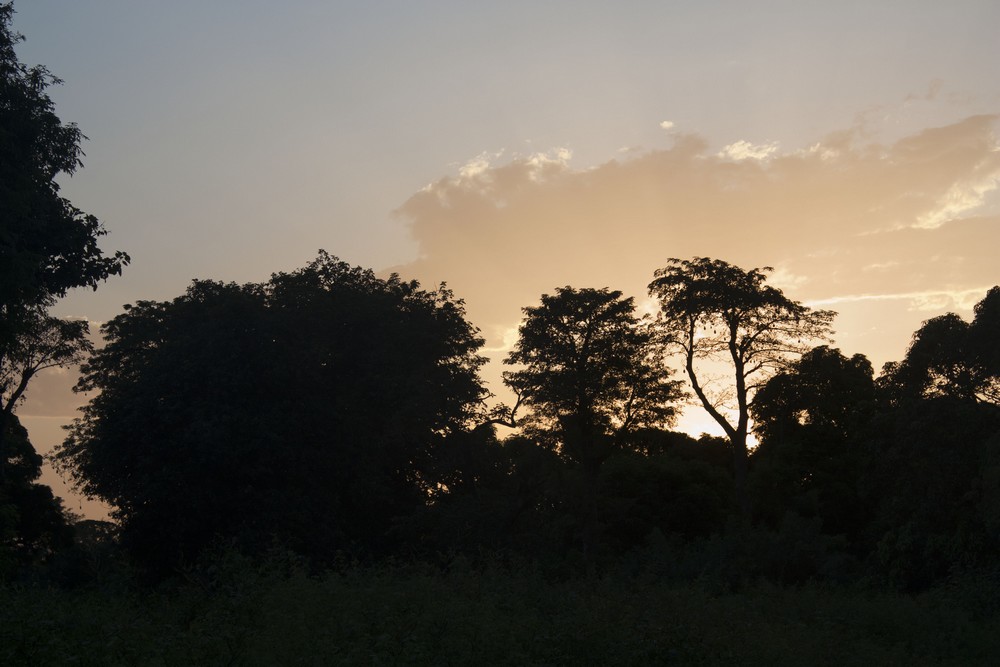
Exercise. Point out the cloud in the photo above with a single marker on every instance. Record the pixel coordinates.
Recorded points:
(846, 215)
(478, 165)
(666, 124)
(508, 338)
(963, 197)
(929, 300)
(744, 150)
(784, 279)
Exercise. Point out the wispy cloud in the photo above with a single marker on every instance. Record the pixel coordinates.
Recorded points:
(963, 197)
(928, 300)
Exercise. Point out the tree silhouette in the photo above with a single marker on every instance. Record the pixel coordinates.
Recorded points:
(933, 459)
(41, 342)
(47, 246)
(592, 373)
(951, 357)
(712, 311)
(808, 419)
(308, 409)
(32, 521)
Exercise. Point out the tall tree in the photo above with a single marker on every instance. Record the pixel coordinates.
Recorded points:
(47, 246)
(719, 316)
(309, 408)
(592, 373)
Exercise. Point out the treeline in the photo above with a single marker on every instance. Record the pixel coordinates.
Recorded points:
(341, 416)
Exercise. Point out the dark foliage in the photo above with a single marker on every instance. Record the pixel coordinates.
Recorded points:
(809, 459)
(713, 311)
(47, 245)
(307, 410)
(591, 373)
(33, 525)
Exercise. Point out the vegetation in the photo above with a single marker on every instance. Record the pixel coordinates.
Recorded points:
(271, 614)
(309, 410)
(713, 311)
(308, 470)
(47, 246)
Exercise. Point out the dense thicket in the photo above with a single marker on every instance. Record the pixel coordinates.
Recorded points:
(903, 468)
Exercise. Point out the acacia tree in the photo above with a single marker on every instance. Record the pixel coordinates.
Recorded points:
(717, 315)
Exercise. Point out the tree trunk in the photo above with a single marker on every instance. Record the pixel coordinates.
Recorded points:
(741, 459)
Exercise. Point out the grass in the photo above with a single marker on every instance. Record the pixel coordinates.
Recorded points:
(244, 615)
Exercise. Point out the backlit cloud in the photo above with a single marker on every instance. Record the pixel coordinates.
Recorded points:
(744, 150)
(964, 196)
(845, 216)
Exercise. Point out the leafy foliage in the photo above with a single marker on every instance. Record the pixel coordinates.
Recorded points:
(951, 357)
(308, 409)
(807, 419)
(713, 311)
(592, 372)
(47, 245)
(32, 521)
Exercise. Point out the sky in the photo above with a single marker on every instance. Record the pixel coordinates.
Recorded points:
(512, 148)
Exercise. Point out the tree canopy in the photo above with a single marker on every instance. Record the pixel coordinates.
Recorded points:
(308, 409)
(951, 357)
(47, 245)
(807, 419)
(32, 521)
(592, 371)
(713, 311)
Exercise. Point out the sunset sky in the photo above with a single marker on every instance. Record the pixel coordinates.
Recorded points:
(514, 147)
